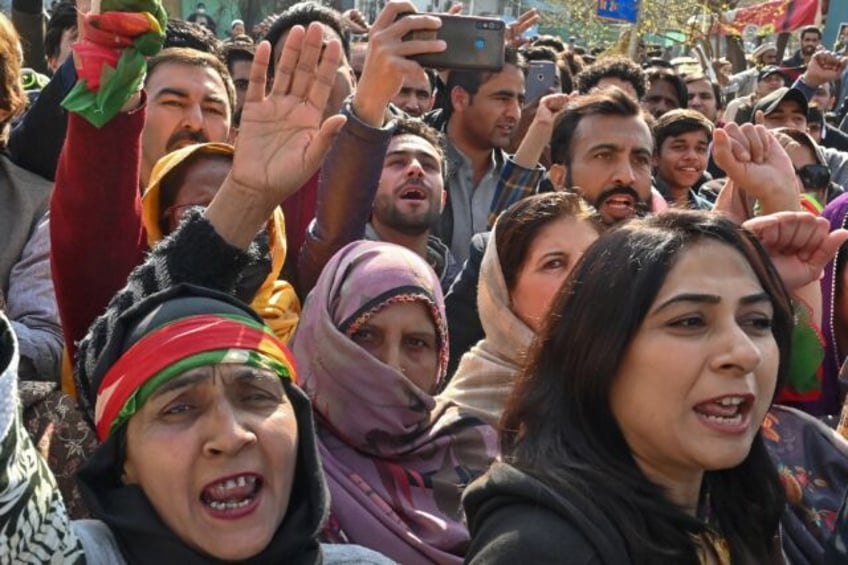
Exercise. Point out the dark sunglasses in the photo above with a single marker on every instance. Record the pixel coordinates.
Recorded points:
(814, 177)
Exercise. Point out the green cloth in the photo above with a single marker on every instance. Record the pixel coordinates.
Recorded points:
(117, 85)
(807, 352)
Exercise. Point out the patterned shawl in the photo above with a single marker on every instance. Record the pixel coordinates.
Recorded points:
(396, 458)
(483, 381)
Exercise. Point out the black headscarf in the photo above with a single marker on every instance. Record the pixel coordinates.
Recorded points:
(141, 534)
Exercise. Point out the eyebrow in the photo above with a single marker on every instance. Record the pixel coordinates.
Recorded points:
(215, 98)
(171, 92)
(557, 253)
(419, 154)
(711, 299)
(182, 381)
(606, 147)
(506, 93)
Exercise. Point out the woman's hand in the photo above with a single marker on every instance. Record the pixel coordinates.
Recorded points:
(754, 160)
(799, 244)
(281, 140)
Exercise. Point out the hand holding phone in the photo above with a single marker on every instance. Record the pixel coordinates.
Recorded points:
(473, 43)
(387, 58)
(540, 80)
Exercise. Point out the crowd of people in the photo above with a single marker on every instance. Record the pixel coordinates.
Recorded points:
(289, 298)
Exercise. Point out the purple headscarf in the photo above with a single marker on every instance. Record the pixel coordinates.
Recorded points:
(397, 458)
(829, 402)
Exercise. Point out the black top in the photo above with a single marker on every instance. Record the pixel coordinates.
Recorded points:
(514, 518)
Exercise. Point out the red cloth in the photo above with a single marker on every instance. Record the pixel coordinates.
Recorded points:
(96, 232)
(299, 210)
(772, 16)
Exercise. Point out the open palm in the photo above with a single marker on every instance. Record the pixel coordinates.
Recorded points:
(281, 139)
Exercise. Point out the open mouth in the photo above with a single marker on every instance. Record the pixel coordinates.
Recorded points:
(620, 205)
(730, 414)
(413, 193)
(233, 496)
(690, 171)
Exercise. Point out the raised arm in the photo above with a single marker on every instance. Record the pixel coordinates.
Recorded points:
(97, 236)
(758, 170)
(351, 171)
(521, 174)
(96, 233)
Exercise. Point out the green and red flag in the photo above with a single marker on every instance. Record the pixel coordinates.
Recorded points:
(111, 58)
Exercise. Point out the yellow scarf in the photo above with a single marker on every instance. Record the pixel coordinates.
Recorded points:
(276, 300)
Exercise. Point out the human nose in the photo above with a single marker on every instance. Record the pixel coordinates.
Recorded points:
(414, 169)
(193, 117)
(623, 174)
(513, 109)
(225, 429)
(390, 355)
(737, 353)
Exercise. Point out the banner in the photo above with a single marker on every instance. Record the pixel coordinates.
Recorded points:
(620, 10)
(774, 16)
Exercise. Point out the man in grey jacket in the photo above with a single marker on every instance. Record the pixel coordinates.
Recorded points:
(25, 280)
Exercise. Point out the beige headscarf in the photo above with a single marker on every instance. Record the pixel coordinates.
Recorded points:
(483, 381)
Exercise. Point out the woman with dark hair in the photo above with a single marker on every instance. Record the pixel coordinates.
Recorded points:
(534, 245)
(634, 434)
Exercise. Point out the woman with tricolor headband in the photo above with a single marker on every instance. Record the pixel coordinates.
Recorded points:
(208, 451)
(372, 349)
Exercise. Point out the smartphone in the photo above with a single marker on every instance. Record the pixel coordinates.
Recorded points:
(473, 43)
(540, 79)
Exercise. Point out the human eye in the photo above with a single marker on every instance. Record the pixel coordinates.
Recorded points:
(215, 109)
(180, 407)
(758, 323)
(642, 159)
(260, 395)
(604, 156)
(417, 343)
(172, 102)
(363, 336)
(688, 322)
(554, 264)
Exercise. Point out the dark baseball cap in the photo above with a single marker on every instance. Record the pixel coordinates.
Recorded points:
(771, 101)
(769, 70)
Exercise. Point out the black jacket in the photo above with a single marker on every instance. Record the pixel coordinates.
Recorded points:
(514, 518)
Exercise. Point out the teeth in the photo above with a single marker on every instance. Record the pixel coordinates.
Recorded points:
(237, 482)
(737, 419)
(230, 505)
(731, 401)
